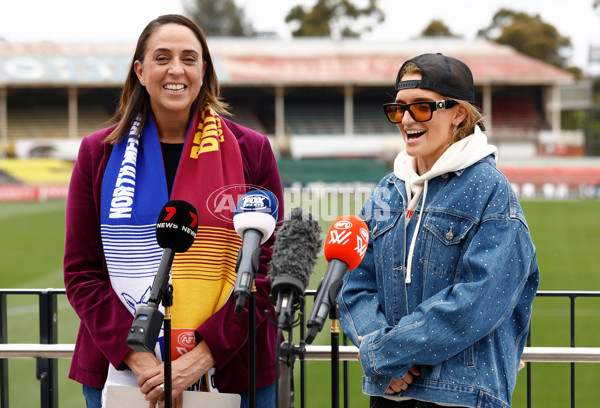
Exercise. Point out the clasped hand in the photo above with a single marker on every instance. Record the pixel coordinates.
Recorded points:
(185, 371)
(399, 384)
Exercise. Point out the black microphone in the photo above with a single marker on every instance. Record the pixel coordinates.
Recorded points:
(254, 220)
(176, 229)
(295, 252)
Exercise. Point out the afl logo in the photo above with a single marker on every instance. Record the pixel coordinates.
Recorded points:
(343, 224)
(364, 234)
(187, 338)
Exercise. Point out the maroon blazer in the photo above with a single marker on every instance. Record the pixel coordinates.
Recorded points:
(105, 321)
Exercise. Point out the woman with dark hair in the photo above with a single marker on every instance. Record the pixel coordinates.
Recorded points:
(169, 142)
(441, 303)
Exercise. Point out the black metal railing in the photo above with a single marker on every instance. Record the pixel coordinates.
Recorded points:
(46, 359)
(46, 368)
(572, 295)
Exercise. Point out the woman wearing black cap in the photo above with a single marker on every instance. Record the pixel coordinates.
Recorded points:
(440, 305)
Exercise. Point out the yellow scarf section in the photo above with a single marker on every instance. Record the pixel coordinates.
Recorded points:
(203, 277)
(206, 276)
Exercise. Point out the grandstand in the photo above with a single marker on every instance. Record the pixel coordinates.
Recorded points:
(314, 98)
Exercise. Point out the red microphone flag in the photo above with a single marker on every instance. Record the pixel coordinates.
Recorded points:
(347, 240)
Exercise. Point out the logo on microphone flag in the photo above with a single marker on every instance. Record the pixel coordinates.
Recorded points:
(339, 238)
(183, 340)
(258, 201)
(222, 202)
(343, 237)
(342, 224)
(362, 240)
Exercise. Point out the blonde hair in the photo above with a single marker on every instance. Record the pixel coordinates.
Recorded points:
(473, 117)
(467, 126)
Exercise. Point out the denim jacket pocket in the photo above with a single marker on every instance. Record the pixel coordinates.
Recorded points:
(447, 231)
(383, 221)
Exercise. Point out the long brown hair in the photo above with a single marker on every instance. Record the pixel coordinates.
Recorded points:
(134, 97)
(472, 119)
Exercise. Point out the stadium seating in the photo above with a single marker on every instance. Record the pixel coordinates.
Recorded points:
(369, 119)
(92, 118)
(515, 112)
(34, 122)
(246, 116)
(314, 118)
(35, 171)
(338, 170)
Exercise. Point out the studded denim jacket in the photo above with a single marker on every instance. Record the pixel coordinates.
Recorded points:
(463, 318)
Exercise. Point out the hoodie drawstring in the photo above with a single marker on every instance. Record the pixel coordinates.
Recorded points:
(407, 277)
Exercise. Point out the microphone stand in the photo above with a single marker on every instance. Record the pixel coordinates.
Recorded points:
(287, 351)
(167, 302)
(148, 321)
(240, 300)
(252, 346)
(251, 332)
(334, 315)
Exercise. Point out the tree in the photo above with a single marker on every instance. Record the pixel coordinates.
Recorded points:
(527, 34)
(332, 18)
(437, 28)
(220, 18)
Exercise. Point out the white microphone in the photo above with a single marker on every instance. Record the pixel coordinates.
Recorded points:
(254, 220)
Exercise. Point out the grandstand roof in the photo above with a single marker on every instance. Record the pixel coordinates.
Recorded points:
(256, 61)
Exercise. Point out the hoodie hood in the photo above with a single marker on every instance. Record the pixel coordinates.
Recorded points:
(458, 156)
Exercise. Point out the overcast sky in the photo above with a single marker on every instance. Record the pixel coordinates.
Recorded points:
(123, 20)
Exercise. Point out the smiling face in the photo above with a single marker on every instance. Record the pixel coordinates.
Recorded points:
(427, 141)
(172, 71)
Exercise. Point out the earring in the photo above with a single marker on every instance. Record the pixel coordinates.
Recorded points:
(455, 128)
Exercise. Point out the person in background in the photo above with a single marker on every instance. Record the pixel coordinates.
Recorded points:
(441, 303)
(170, 142)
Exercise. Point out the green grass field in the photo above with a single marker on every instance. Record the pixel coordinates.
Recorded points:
(566, 234)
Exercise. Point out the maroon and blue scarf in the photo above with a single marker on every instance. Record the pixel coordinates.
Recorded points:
(210, 176)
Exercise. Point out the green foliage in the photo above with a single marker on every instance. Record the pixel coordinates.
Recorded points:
(437, 28)
(219, 18)
(573, 120)
(527, 34)
(332, 18)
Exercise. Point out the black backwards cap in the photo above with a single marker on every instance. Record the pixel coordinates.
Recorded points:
(444, 75)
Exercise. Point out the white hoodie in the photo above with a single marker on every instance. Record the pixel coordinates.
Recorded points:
(458, 156)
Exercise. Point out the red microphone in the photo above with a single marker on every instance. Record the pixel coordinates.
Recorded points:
(347, 241)
(345, 247)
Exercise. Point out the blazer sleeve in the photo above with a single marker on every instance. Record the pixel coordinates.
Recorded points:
(86, 278)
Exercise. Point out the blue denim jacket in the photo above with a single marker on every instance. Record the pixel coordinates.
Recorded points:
(463, 320)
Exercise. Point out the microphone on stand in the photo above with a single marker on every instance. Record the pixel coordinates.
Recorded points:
(254, 220)
(176, 229)
(295, 252)
(345, 247)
